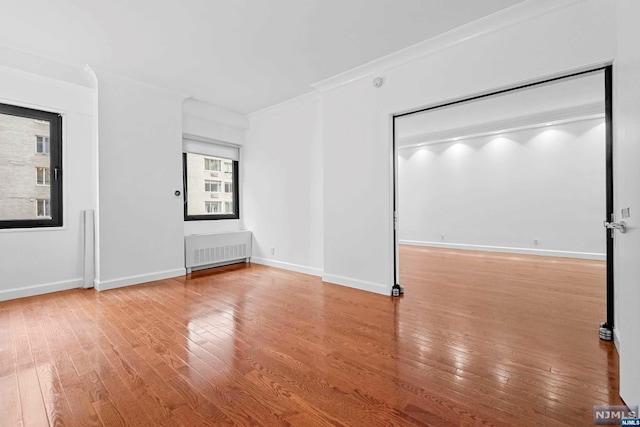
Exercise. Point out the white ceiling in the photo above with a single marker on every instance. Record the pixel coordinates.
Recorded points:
(240, 54)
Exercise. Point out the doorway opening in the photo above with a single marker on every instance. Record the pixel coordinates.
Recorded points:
(521, 178)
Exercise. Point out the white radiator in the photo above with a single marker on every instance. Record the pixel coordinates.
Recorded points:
(211, 250)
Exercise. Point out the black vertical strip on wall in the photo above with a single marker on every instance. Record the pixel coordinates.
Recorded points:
(608, 105)
(55, 137)
(184, 185)
(236, 189)
(394, 151)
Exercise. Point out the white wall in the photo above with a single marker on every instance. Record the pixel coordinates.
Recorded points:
(37, 261)
(213, 122)
(496, 53)
(140, 220)
(501, 192)
(626, 147)
(282, 160)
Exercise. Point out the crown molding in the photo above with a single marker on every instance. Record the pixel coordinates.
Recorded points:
(104, 74)
(195, 108)
(516, 14)
(281, 107)
(531, 121)
(32, 63)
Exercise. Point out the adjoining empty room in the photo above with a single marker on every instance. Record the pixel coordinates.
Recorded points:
(500, 206)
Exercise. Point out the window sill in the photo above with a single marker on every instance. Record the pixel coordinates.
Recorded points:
(32, 229)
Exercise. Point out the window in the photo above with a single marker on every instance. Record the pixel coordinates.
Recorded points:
(43, 177)
(43, 208)
(200, 188)
(26, 202)
(212, 164)
(211, 188)
(213, 207)
(42, 143)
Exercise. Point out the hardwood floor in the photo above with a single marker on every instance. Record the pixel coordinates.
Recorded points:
(478, 339)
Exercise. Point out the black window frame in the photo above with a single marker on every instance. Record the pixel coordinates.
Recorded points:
(55, 167)
(212, 216)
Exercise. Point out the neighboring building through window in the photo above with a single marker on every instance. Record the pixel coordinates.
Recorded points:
(43, 176)
(213, 207)
(28, 201)
(43, 208)
(42, 144)
(212, 164)
(211, 187)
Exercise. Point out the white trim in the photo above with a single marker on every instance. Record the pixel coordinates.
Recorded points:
(102, 74)
(34, 63)
(526, 251)
(140, 278)
(363, 285)
(197, 109)
(33, 229)
(29, 291)
(498, 21)
(313, 271)
(281, 107)
(616, 339)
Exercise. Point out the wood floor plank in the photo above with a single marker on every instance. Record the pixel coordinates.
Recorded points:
(7, 345)
(55, 400)
(10, 403)
(33, 409)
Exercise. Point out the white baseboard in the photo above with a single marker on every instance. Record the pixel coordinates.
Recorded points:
(526, 251)
(616, 339)
(136, 280)
(377, 288)
(29, 291)
(288, 266)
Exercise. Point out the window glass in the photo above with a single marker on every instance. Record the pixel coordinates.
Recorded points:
(211, 187)
(42, 176)
(42, 144)
(30, 168)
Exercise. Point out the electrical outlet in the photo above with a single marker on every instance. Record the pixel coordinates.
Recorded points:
(535, 241)
(273, 251)
(442, 237)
